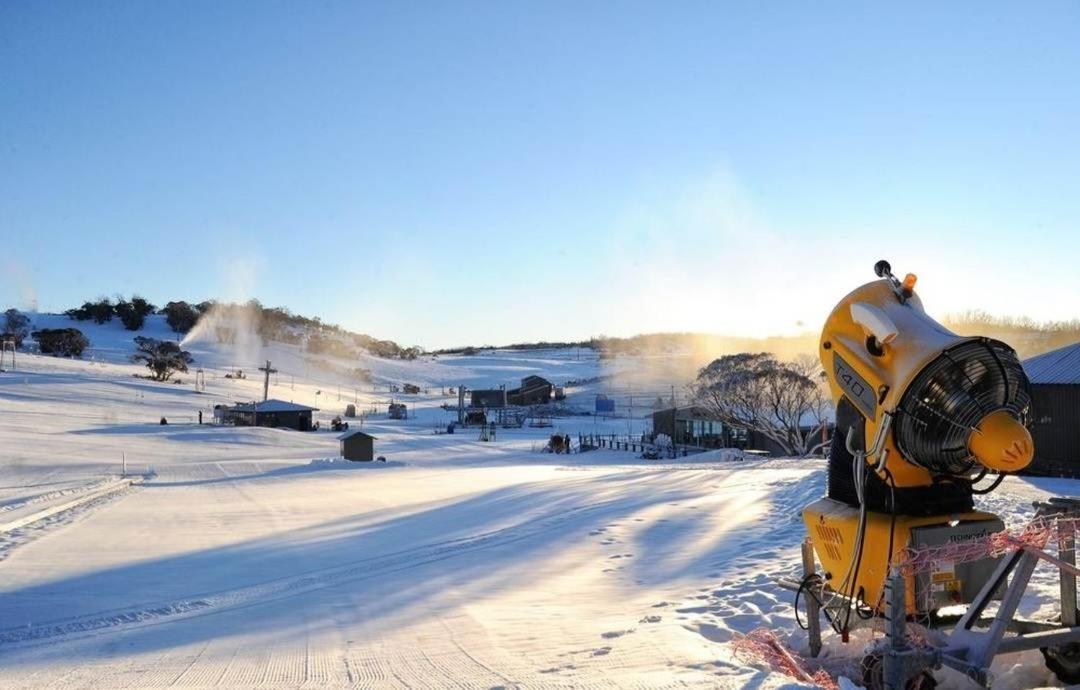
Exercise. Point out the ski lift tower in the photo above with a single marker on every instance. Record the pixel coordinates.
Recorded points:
(266, 381)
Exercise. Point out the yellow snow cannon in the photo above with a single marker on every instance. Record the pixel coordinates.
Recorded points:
(922, 416)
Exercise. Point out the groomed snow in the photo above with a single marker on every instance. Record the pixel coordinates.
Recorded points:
(253, 558)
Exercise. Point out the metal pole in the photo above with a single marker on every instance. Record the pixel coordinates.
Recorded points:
(266, 381)
(1067, 553)
(813, 616)
(674, 424)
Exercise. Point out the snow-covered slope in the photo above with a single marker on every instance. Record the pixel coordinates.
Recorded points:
(111, 343)
(247, 558)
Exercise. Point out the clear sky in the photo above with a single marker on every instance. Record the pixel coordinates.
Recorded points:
(443, 173)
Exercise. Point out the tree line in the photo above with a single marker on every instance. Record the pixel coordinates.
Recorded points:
(270, 323)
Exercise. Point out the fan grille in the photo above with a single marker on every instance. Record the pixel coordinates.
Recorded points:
(951, 395)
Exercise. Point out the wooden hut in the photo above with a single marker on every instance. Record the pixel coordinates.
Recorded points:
(357, 445)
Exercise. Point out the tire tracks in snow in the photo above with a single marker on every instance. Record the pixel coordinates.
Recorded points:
(12, 538)
(54, 494)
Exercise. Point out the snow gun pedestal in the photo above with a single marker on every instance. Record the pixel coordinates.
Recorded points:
(903, 661)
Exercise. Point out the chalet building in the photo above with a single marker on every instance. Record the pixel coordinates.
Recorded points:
(696, 426)
(270, 413)
(534, 390)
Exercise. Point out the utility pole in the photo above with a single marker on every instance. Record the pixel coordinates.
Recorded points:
(674, 425)
(266, 381)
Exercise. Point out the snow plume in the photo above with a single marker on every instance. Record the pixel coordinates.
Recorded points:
(16, 279)
(699, 263)
(234, 325)
(234, 322)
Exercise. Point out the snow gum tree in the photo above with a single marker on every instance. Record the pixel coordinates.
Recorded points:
(133, 313)
(61, 342)
(180, 316)
(16, 326)
(784, 401)
(162, 357)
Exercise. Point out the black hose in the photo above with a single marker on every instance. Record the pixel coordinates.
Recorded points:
(858, 564)
(805, 586)
(993, 485)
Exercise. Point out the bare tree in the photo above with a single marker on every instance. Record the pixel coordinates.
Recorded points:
(784, 401)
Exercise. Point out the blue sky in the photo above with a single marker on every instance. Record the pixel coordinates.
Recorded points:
(447, 173)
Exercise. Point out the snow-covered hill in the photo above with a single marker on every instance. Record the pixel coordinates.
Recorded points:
(111, 342)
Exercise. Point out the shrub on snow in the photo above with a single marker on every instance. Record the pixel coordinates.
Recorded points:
(61, 342)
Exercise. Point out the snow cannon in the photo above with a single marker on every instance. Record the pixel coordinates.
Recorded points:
(941, 405)
(925, 420)
(922, 415)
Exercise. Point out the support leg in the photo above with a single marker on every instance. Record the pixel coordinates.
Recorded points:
(894, 674)
(903, 665)
(1067, 553)
(813, 610)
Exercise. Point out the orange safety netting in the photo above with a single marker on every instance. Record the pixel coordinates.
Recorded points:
(762, 646)
(1035, 536)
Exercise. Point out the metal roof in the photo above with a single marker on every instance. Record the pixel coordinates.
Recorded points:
(1057, 366)
(273, 406)
(354, 432)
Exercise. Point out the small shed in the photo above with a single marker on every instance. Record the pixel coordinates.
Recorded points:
(357, 445)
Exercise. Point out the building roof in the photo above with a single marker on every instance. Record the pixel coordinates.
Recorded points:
(1057, 366)
(353, 432)
(273, 406)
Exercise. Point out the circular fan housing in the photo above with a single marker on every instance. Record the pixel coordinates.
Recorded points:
(951, 395)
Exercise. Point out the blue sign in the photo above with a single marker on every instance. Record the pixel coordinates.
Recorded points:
(603, 404)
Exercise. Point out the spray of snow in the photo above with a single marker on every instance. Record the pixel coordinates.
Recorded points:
(233, 325)
(16, 276)
(235, 321)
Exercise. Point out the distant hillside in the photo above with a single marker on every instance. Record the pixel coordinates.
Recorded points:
(1029, 337)
(226, 322)
(691, 344)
